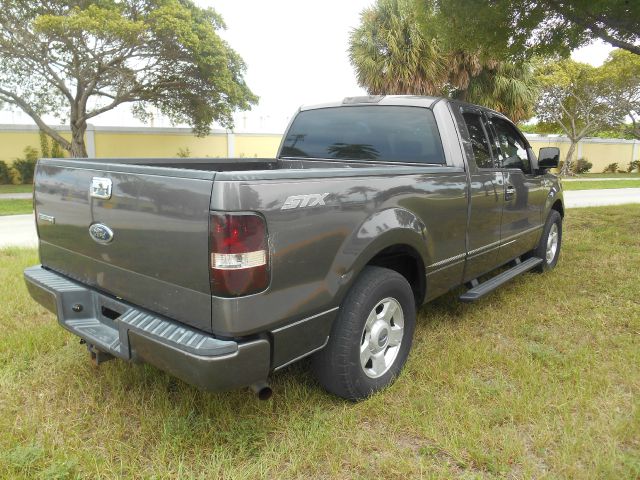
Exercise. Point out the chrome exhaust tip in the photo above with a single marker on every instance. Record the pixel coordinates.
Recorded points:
(262, 390)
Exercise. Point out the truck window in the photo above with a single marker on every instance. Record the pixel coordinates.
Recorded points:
(512, 148)
(375, 132)
(479, 140)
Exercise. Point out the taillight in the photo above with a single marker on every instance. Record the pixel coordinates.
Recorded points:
(239, 254)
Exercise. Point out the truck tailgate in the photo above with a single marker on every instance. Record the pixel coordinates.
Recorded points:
(157, 257)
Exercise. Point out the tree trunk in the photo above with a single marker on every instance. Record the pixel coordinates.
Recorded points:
(78, 148)
(568, 161)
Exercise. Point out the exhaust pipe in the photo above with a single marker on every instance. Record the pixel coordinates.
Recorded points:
(262, 390)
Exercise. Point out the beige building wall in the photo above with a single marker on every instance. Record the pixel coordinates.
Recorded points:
(106, 142)
(599, 151)
(255, 145)
(158, 144)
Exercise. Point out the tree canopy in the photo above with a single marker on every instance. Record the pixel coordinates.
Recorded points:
(621, 76)
(76, 59)
(393, 53)
(575, 96)
(518, 29)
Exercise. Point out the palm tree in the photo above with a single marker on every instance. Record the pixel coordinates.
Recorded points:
(395, 53)
(390, 54)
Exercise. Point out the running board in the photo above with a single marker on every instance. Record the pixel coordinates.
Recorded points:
(479, 290)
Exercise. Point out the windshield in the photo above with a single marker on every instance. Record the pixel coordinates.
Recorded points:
(375, 132)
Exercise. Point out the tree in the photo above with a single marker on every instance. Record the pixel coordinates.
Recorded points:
(621, 77)
(574, 97)
(393, 54)
(517, 29)
(76, 59)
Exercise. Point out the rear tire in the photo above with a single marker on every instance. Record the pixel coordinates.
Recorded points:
(548, 248)
(371, 338)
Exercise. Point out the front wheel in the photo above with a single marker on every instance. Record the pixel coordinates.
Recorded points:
(550, 242)
(371, 338)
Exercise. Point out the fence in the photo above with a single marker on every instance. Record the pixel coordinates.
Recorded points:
(107, 142)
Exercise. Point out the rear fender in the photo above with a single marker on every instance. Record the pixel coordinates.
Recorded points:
(384, 229)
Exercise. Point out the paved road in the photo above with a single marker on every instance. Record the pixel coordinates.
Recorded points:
(601, 197)
(16, 196)
(19, 230)
(600, 179)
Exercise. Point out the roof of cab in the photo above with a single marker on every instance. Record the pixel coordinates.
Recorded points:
(397, 100)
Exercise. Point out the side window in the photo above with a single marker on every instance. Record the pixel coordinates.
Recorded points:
(479, 140)
(512, 148)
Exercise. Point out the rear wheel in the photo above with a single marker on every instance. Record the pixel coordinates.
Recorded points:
(371, 338)
(550, 242)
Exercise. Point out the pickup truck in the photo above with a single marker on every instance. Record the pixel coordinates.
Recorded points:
(223, 271)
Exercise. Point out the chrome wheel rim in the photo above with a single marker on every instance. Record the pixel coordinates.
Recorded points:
(381, 337)
(552, 243)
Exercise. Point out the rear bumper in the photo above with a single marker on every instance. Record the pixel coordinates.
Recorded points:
(128, 332)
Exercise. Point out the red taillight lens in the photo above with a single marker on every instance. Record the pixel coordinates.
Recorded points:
(239, 254)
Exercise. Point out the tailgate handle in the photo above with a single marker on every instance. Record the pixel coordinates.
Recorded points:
(101, 188)
(509, 192)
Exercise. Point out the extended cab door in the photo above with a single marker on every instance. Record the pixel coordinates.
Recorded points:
(486, 193)
(524, 195)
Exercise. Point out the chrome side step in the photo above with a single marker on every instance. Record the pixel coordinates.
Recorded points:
(479, 290)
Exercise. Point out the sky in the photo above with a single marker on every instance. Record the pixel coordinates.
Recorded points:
(296, 54)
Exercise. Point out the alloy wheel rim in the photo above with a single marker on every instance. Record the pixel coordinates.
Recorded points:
(552, 243)
(381, 337)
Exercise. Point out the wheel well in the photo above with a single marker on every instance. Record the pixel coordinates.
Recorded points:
(558, 207)
(407, 262)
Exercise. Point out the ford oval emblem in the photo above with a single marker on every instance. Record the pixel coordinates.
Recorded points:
(101, 233)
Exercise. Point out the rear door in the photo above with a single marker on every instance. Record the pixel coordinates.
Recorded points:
(486, 193)
(524, 195)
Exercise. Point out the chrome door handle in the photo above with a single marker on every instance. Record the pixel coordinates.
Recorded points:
(509, 192)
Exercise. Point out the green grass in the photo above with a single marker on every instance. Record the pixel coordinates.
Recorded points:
(539, 380)
(603, 184)
(16, 188)
(15, 207)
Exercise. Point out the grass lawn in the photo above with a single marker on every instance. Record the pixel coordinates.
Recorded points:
(16, 188)
(15, 207)
(539, 380)
(603, 184)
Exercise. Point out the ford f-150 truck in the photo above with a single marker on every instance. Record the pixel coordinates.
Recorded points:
(222, 271)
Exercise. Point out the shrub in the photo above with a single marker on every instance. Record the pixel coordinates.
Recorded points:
(611, 168)
(582, 165)
(634, 166)
(49, 148)
(56, 150)
(183, 153)
(5, 175)
(26, 165)
(44, 145)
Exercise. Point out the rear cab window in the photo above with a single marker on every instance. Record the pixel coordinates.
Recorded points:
(374, 132)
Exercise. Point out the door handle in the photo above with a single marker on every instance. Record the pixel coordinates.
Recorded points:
(509, 192)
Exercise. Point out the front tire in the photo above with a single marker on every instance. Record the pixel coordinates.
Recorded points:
(371, 338)
(550, 242)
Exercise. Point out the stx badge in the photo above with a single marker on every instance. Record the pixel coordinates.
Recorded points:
(302, 201)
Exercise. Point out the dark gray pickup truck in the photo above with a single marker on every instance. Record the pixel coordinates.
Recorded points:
(222, 271)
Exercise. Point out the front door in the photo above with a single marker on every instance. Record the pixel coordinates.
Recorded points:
(523, 190)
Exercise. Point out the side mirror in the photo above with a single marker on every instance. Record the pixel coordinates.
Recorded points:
(549, 157)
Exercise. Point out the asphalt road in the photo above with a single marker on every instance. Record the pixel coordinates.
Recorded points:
(19, 230)
(599, 198)
(16, 196)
